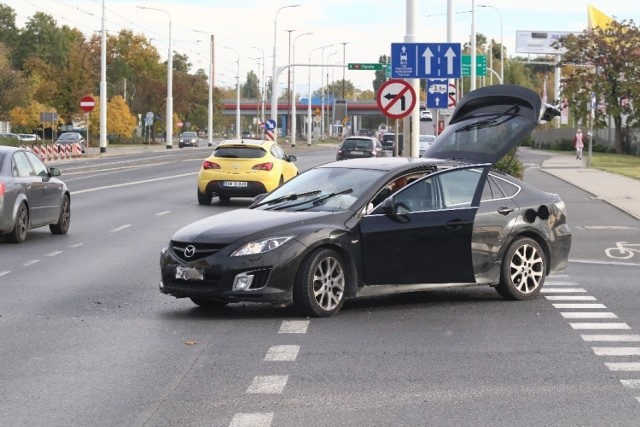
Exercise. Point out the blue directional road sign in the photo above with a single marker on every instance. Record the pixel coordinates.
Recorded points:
(270, 124)
(426, 60)
(437, 93)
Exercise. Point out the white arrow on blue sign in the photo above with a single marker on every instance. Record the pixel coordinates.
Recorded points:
(426, 60)
(437, 93)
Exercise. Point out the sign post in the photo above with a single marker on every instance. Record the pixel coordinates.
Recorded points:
(87, 103)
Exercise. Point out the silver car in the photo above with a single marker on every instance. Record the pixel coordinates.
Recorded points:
(30, 195)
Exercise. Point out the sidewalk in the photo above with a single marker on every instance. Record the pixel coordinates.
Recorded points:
(617, 190)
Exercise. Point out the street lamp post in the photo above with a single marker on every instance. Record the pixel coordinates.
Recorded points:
(237, 92)
(169, 118)
(501, 45)
(288, 128)
(274, 78)
(309, 123)
(210, 104)
(262, 87)
(344, 62)
(293, 84)
(322, 124)
(333, 93)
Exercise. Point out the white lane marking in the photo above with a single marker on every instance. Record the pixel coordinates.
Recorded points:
(30, 262)
(252, 420)
(122, 227)
(282, 353)
(126, 184)
(554, 283)
(623, 366)
(631, 383)
(294, 327)
(588, 315)
(54, 253)
(616, 351)
(162, 213)
(562, 290)
(570, 305)
(599, 326)
(620, 338)
(570, 298)
(268, 384)
(76, 245)
(2, 273)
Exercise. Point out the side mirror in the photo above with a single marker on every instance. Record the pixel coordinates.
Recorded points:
(54, 171)
(386, 207)
(292, 158)
(259, 197)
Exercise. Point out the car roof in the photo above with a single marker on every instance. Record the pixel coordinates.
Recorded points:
(385, 163)
(8, 149)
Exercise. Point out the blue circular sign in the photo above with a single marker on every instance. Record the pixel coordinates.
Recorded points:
(270, 124)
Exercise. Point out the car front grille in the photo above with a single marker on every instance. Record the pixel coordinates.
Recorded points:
(188, 251)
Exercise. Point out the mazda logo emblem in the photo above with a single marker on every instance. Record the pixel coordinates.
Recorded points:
(189, 251)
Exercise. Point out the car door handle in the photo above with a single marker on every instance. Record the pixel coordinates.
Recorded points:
(456, 223)
(505, 211)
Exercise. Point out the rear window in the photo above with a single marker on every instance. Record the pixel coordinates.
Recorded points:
(239, 152)
(357, 144)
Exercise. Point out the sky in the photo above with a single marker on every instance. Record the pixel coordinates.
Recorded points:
(355, 31)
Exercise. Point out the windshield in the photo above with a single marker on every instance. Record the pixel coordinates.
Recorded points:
(68, 136)
(189, 135)
(321, 189)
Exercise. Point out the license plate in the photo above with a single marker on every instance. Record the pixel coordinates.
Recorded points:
(234, 184)
(189, 273)
(357, 153)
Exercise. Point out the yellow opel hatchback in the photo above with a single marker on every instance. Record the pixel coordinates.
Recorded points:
(244, 168)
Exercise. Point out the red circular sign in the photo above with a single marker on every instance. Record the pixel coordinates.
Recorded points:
(396, 98)
(87, 103)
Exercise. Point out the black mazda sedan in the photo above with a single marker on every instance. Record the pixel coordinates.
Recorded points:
(386, 225)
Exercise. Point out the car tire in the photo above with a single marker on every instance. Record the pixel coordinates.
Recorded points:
(64, 219)
(523, 270)
(204, 199)
(211, 304)
(319, 289)
(224, 199)
(21, 225)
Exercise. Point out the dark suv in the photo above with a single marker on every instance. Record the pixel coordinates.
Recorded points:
(355, 147)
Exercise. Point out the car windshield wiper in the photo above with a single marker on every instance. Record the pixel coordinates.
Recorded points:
(490, 122)
(288, 197)
(322, 199)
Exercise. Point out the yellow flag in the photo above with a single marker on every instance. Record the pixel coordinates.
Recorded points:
(597, 18)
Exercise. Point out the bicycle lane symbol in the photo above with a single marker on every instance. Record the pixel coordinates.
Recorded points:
(623, 250)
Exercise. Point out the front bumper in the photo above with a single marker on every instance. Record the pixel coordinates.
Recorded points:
(273, 275)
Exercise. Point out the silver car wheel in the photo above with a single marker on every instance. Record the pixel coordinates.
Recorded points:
(319, 289)
(328, 283)
(523, 270)
(527, 269)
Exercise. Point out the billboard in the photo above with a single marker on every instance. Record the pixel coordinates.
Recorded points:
(540, 42)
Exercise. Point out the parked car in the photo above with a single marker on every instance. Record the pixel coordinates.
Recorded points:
(321, 238)
(365, 132)
(247, 135)
(31, 195)
(425, 142)
(354, 147)
(426, 115)
(244, 168)
(69, 138)
(188, 139)
(29, 137)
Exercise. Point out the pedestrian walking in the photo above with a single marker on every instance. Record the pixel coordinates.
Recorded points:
(578, 143)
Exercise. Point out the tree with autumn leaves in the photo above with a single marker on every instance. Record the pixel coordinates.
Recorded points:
(604, 62)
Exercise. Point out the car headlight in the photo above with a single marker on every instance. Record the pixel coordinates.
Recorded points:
(261, 246)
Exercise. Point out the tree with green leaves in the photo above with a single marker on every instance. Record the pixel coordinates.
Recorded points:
(605, 62)
(14, 90)
(251, 88)
(381, 75)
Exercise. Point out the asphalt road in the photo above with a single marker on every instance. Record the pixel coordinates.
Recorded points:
(88, 340)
